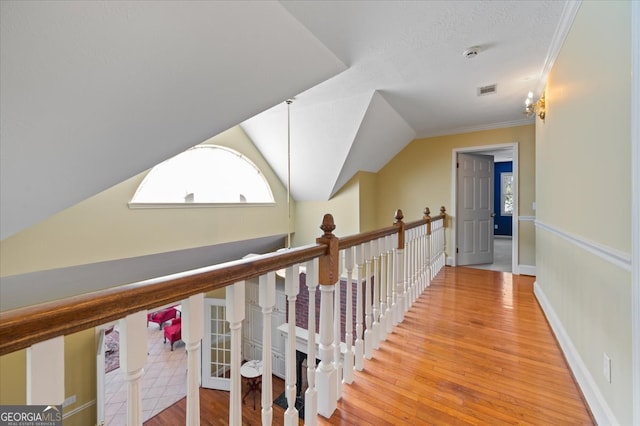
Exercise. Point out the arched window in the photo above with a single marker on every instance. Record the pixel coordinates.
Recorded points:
(204, 174)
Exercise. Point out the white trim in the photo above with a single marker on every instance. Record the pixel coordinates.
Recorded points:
(78, 409)
(449, 261)
(616, 257)
(635, 209)
(562, 30)
(516, 198)
(527, 270)
(598, 405)
(136, 205)
(527, 218)
(482, 127)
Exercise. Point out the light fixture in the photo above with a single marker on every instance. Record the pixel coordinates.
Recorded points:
(471, 52)
(534, 108)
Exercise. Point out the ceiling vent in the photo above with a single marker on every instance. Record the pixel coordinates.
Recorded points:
(487, 90)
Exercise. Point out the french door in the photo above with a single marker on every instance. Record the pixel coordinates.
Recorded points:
(216, 346)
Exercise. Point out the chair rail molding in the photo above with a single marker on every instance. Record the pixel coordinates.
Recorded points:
(611, 255)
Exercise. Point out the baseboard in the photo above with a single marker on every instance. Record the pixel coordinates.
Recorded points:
(527, 270)
(598, 405)
(78, 409)
(449, 261)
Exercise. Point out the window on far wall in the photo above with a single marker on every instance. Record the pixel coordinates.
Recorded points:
(204, 174)
(506, 194)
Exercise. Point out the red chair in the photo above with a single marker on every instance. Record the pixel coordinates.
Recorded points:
(173, 332)
(160, 317)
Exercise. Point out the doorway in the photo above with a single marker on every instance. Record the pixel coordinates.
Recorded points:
(507, 248)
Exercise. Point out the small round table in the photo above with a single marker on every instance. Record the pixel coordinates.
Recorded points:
(252, 371)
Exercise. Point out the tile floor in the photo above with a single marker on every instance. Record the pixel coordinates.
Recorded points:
(501, 256)
(164, 381)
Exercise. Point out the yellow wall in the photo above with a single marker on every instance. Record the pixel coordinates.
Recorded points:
(79, 377)
(344, 207)
(368, 202)
(584, 191)
(13, 371)
(103, 227)
(420, 176)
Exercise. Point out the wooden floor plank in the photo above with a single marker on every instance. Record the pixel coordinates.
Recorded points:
(475, 349)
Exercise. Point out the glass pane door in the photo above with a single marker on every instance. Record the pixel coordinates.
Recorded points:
(216, 346)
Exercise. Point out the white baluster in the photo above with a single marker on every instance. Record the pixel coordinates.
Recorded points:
(390, 283)
(266, 300)
(235, 315)
(375, 280)
(424, 259)
(359, 352)
(337, 322)
(383, 289)
(192, 334)
(326, 375)
(368, 343)
(408, 259)
(428, 257)
(414, 276)
(45, 372)
(291, 289)
(311, 394)
(133, 357)
(347, 366)
(400, 282)
(405, 283)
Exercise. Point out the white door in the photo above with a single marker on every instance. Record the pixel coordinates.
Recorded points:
(216, 346)
(475, 209)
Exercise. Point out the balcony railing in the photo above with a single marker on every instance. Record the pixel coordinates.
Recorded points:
(392, 266)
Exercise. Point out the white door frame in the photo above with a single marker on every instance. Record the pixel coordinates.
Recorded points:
(454, 194)
(635, 208)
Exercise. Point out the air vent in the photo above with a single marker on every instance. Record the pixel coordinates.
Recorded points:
(487, 90)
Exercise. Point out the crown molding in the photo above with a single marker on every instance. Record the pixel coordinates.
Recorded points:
(562, 30)
(481, 127)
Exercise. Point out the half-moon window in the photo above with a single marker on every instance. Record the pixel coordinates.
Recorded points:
(204, 174)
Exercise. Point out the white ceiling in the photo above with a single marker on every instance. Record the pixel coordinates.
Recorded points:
(407, 78)
(93, 93)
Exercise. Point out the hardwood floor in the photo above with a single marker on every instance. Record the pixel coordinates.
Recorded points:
(475, 348)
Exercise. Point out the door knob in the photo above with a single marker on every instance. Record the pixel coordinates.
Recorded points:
(493, 215)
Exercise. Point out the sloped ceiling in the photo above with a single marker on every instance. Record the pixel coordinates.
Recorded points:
(93, 93)
(407, 78)
(96, 92)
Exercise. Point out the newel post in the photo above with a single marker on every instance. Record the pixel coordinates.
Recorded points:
(326, 374)
(427, 217)
(399, 269)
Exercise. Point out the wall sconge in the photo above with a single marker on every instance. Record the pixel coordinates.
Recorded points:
(537, 108)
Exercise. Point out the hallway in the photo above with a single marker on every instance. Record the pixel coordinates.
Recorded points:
(475, 349)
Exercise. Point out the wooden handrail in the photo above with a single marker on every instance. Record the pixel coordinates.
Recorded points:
(23, 327)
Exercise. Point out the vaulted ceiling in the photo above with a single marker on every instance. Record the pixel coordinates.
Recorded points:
(92, 93)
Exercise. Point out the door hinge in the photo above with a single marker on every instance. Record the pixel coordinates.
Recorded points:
(457, 165)
(456, 249)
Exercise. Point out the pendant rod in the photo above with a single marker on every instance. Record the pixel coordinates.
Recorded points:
(289, 101)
